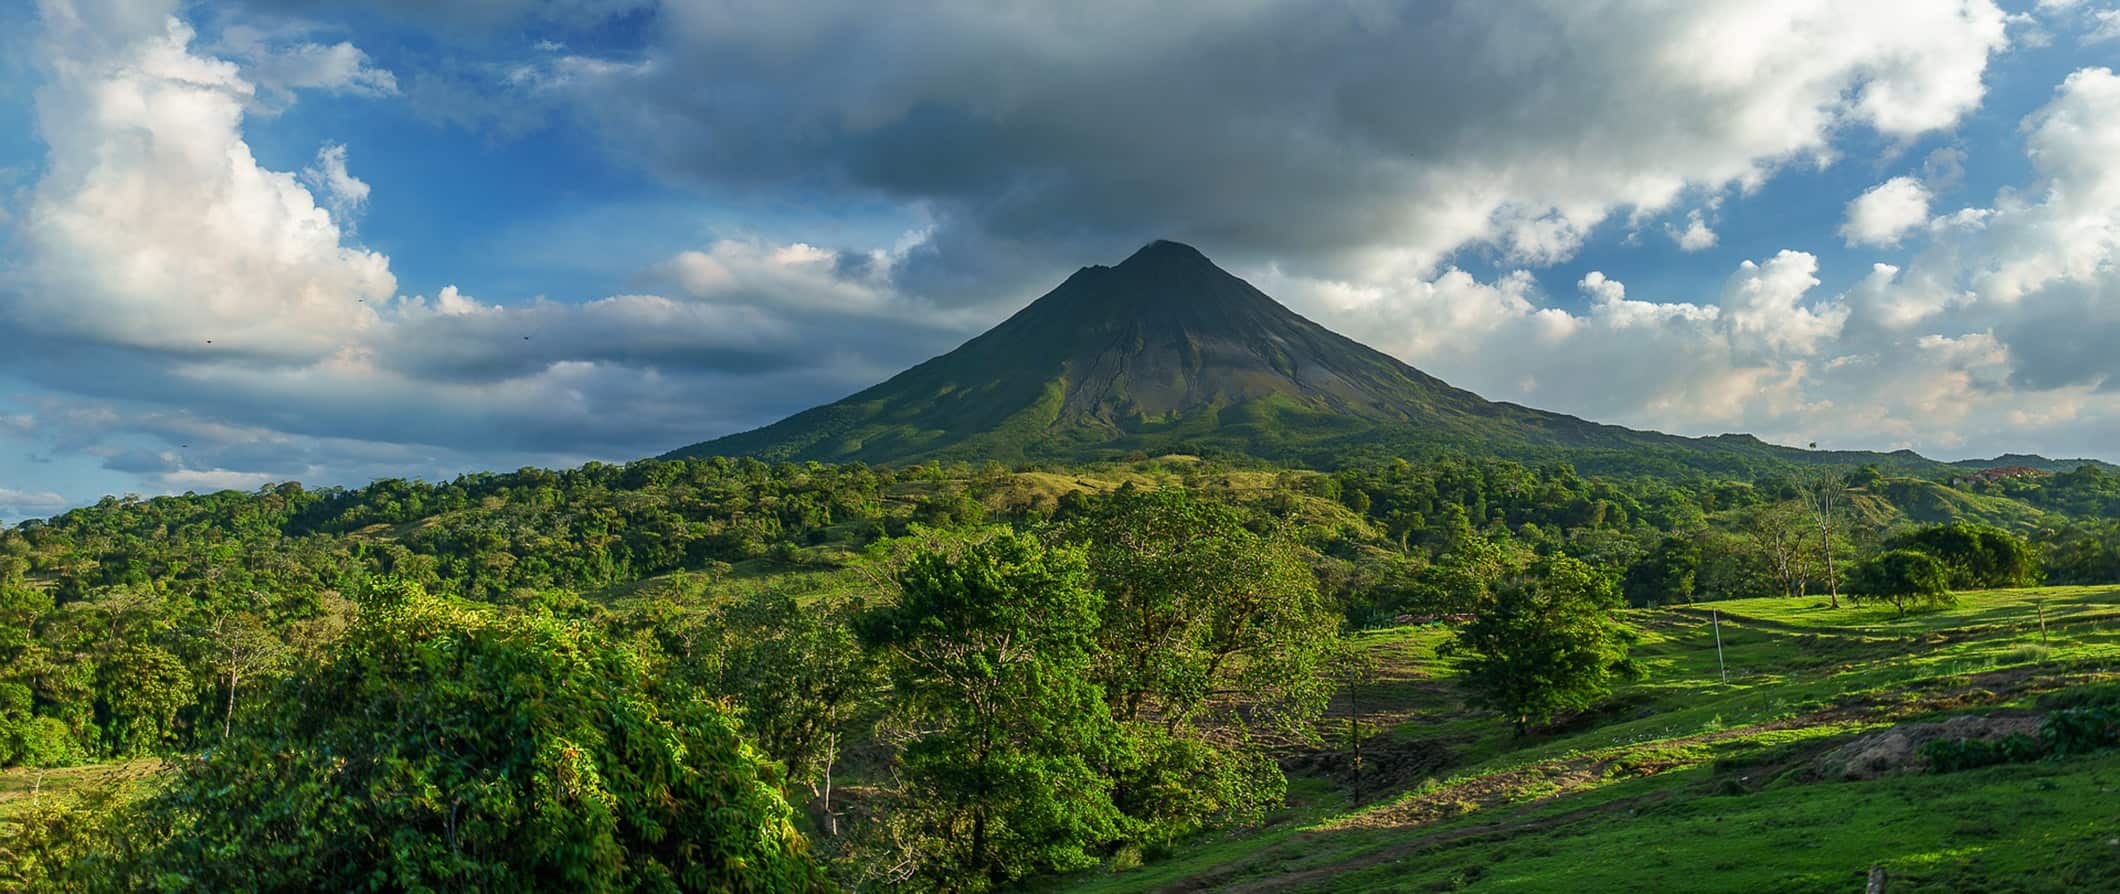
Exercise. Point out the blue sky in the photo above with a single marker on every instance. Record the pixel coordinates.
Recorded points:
(271, 240)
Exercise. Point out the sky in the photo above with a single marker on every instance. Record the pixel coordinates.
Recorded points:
(331, 241)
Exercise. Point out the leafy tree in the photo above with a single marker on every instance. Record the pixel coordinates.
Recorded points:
(449, 746)
(1903, 577)
(1977, 556)
(989, 653)
(1666, 575)
(800, 675)
(1197, 609)
(1544, 643)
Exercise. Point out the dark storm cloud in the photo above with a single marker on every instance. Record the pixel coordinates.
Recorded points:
(1288, 130)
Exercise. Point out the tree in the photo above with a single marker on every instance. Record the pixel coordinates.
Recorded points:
(1823, 493)
(1977, 556)
(1545, 642)
(988, 651)
(1208, 630)
(1666, 575)
(1778, 532)
(241, 647)
(1903, 577)
(445, 745)
(799, 673)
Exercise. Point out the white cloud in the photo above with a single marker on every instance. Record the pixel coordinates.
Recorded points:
(1764, 307)
(154, 226)
(344, 193)
(1695, 237)
(2105, 26)
(20, 504)
(1886, 212)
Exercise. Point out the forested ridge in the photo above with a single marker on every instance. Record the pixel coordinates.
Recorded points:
(943, 676)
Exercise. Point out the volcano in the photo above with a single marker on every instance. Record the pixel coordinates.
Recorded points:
(1169, 353)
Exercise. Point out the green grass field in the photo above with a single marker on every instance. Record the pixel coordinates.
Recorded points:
(1689, 783)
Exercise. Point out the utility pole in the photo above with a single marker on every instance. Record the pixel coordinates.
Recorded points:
(1715, 617)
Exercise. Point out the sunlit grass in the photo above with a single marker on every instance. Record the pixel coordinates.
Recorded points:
(1695, 783)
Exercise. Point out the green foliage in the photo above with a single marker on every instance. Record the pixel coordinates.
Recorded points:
(1978, 557)
(2084, 551)
(2077, 729)
(1196, 605)
(448, 746)
(989, 651)
(2080, 730)
(1953, 755)
(797, 672)
(1905, 578)
(1667, 575)
(1544, 643)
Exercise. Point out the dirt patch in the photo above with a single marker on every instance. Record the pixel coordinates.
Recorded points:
(1899, 749)
(1388, 766)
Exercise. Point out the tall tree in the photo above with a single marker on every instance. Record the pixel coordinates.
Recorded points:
(988, 650)
(1906, 578)
(1824, 493)
(1212, 639)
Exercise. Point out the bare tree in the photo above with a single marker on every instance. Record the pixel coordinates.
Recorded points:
(242, 648)
(1779, 532)
(1823, 494)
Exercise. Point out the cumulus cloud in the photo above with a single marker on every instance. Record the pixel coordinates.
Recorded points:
(1886, 212)
(162, 265)
(1696, 236)
(2023, 357)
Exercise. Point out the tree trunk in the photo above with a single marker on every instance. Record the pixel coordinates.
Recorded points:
(979, 846)
(228, 717)
(831, 756)
(1825, 546)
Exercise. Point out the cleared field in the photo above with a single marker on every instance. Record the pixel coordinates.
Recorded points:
(1689, 783)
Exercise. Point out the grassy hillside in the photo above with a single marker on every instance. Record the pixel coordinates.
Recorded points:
(1688, 783)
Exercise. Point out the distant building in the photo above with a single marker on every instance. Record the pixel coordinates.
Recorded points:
(1997, 474)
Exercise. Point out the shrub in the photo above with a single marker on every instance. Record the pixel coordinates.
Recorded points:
(2080, 730)
(1952, 755)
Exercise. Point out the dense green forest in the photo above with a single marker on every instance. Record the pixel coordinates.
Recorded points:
(713, 674)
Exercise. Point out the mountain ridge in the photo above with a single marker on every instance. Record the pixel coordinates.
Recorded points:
(1168, 352)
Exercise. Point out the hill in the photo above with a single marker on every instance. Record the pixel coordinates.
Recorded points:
(1168, 352)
